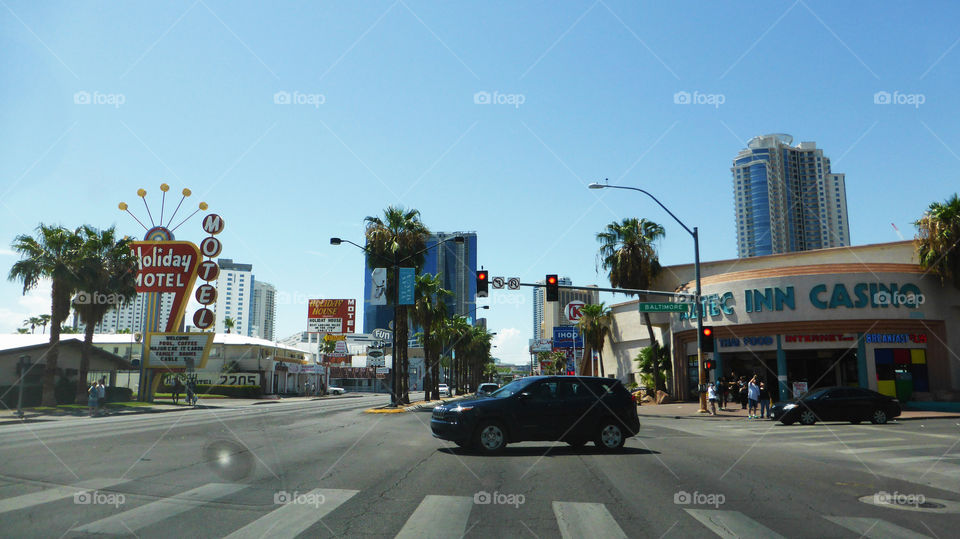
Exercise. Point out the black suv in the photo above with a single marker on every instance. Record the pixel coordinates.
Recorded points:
(556, 408)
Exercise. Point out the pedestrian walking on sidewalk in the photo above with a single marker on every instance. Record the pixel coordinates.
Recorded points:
(93, 397)
(722, 393)
(101, 395)
(191, 393)
(177, 389)
(753, 397)
(742, 392)
(712, 397)
(764, 401)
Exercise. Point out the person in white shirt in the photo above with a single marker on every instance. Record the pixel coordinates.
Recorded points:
(753, 397)
(712, 397)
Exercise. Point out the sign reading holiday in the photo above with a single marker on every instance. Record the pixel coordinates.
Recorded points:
(167, 266)
(331, 315)
(177, 350)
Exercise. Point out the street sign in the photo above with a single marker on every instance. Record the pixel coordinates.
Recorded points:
(383, 370)
(375, 353)
(513, 283)
(497, 282)
(383, 335)
(663, 307)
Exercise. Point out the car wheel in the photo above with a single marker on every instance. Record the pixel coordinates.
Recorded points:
(879, 417)
(610, 436)
(807, 417)
(491, 437)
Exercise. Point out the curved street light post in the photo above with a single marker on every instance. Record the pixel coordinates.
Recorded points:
(701, 372)
(396, 299)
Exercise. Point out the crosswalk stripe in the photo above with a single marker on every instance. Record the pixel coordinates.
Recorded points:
(438, 517)
(946, 459)
(54, 494)
(292, 519)
(859, 450)
(875, 528)
(586, 520)
(851, 442)
(731, 524)
(129, 521)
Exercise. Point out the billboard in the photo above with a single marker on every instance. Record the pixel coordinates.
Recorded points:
(167, 266)
(567, 337)
(540, 345)
(331, 315)
(176, 350)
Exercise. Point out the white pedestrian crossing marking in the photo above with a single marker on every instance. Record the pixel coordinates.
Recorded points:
(438, 517)
(875, 528)
(842, 441)
(948, 459)
(129, 521)
(586, 520)
(859, 450)
(294, 518)
(54, 494)
(731, 524)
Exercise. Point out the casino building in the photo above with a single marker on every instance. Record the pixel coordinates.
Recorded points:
(866, 316)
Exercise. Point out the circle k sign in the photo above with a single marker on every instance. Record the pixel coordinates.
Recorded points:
(572, 310)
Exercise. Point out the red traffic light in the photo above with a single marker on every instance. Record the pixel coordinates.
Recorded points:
(551, 279)
(707, 332)
(482, 275)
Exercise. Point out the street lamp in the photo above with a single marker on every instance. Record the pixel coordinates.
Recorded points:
(701, 373)
(396, 278)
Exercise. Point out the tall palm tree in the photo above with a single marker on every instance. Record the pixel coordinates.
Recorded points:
(478, 355)
(938, 235)
(399, 237)
(53, 254)
(228, 324)
(107, 269)
(594, 324)
(429, 311)
(628, 254)
(44, 321)
(458, 333)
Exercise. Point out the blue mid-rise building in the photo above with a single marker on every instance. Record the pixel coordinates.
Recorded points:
(457, 265)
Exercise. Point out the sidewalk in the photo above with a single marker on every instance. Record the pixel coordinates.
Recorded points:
(690, 410)
(45, 414)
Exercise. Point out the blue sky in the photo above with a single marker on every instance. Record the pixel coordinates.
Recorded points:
(383, 112)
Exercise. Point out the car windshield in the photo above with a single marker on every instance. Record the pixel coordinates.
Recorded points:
(510, 389)
(815, 394)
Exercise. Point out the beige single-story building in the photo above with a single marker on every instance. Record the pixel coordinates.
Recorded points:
(866, 316)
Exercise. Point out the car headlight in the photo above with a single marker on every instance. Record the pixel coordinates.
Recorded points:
(460, 408)
(789, 407)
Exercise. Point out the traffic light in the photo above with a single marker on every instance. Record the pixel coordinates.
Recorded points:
(482, 283)
(706, 339)
(709, 364)
(553, 291)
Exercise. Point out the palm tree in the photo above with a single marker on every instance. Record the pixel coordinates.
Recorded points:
(458, 331)
(938, 233)
(228, 323)
(478, 355)
(107, 269)
(594, 324)
(44, 320)
(53, 254)
(23, 331)
(399, 237)
(429, 311)
(628, 254)
(33, 322)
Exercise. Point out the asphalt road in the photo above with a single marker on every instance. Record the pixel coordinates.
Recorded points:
(325, 469)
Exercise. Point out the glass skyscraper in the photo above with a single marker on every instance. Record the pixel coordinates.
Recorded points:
(787, 199)
(457, 265)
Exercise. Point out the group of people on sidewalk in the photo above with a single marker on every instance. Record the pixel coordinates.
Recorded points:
(191, 389)
(752, 395)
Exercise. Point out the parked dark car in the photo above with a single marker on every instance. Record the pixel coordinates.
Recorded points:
(851, 404)
(551, 408)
